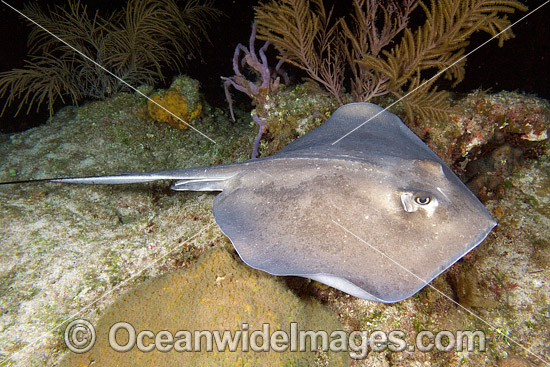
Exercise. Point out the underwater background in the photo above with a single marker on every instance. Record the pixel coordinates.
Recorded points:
(90, 250)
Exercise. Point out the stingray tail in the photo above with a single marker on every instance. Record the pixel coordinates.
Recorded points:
(188, 180)
(210, 178)
(127, 178)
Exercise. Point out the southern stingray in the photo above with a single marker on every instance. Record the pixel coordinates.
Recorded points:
(377, 215)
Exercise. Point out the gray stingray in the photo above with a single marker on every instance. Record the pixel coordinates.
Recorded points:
(377, 215)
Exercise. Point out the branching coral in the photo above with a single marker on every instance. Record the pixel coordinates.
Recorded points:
(269, 78)
(365, 38)
(134, 44)
(306, 37)
(437, 48)
(302, 33)
(259, 90)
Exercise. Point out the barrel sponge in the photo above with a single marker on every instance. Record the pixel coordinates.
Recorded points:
(218, 293)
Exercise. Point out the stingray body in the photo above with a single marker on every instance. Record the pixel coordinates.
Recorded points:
(377, 215)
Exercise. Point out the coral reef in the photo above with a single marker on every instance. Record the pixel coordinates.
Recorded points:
(487, 135)
(486, 174)
(306, 37)
(268, 78)
(218, 293)
(103, 55)
(523, 120)
(72, 249)
(181, 99)
(65, 247)
(258, 90)
(282, 113)
(291, 113)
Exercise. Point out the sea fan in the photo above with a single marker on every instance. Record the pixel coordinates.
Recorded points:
(134, 44)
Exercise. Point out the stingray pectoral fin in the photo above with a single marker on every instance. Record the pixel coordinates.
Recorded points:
(345, 286)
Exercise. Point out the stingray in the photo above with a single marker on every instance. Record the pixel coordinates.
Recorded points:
(377, 215)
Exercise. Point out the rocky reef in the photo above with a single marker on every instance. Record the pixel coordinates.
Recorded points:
(82, 251)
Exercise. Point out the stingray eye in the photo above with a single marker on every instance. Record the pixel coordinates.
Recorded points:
(412, 201)
(422, 200)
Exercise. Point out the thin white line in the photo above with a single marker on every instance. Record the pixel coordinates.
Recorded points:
(265, 173)
(443, 294)
(9, 358)
(442, 71)
(109, 72)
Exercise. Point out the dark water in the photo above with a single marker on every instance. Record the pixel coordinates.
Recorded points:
(521, 64)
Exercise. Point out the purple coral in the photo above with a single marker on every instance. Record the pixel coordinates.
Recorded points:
(268, 78)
